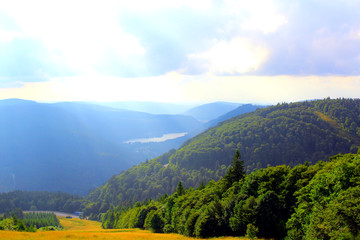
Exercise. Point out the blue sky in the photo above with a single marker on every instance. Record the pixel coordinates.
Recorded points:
(259, 51)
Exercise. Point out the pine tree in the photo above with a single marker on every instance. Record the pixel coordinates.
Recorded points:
(180, 189)
(236, 171)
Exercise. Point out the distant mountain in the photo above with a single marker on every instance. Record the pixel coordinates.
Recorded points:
(149, 107)
(210, 111)
(283, 134)
(73, 147)
(245, 108)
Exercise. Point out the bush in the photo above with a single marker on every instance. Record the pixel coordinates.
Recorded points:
(251, 231)
(168, 228)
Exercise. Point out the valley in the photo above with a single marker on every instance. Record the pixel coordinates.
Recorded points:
(202, 189)
(180, 120)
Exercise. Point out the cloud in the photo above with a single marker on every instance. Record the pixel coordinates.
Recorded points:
(233, 57)
(77, 34)
(171, 49)
(257, 15)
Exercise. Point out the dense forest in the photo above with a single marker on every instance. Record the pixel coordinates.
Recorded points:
(320, 201)
(17, 220)
(282, 134)
(40, 201)
(288, 134)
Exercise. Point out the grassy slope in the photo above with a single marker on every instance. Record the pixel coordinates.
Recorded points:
(76, 229)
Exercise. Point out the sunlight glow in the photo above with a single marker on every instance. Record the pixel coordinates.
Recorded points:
(174, 87)
(236, 56)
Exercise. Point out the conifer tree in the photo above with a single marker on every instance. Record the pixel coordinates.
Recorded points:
(180, 189)
(236, 171)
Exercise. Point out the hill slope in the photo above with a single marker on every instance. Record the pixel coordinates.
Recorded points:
(210, 111)
(282, 134)
(73, 147)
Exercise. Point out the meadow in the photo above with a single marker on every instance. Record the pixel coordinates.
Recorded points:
(76, 229)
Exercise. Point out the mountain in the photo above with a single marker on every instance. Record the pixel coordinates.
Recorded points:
(149, 107)
(245, 108)
(210, 111)
(73, 147)
(283, 134)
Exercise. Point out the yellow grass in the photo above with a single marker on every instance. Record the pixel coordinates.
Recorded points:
(76, 229)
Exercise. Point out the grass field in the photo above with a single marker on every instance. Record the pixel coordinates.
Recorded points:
(76, 229)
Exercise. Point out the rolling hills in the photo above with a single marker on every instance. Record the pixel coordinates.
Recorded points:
(73, 147)
(283, 134)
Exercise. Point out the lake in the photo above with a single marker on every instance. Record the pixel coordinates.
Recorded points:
(163, 138)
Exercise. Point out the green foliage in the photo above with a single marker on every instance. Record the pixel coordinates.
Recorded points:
(320, 201)
(45, 201)
(283, 134)
(329, 206)
(7, 224)
(149, 180)
(236, 171)
(251, 231)
(39, 220)
(156, 222)
(30, 222)
(290, 134)
(180, 189)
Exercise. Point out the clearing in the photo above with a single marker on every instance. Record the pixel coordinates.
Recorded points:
(77, 229)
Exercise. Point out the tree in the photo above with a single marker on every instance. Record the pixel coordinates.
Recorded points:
(156, 223)
(180, 189)
(236, 171)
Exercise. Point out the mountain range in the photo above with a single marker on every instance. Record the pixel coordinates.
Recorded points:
(73, 147)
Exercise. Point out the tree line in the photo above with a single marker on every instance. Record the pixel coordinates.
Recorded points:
(320, 201)
(45, 201)
(17, 220)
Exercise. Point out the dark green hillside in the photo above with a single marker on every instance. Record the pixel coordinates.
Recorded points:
(318, 201)
(283, 134)
(39, 201)
(150, 179)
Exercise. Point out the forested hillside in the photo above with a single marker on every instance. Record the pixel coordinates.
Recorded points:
(318, 201)
(40, 201)
(283, 134)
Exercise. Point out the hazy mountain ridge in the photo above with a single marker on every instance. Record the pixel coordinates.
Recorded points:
(283, 134)
(210, 111)
(73, 147)
(149, 107)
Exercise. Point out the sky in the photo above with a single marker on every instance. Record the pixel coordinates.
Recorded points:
(259, 51)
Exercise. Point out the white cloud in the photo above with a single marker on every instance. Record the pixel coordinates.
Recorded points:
(8, 36)
(76, 32)
(157, 5)
(257, 15)
(236, 56)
